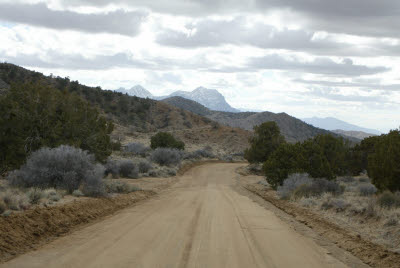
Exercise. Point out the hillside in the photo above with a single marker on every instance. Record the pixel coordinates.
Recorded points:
(3, 86)
(138, 116)
(188, 105)
(292, 128)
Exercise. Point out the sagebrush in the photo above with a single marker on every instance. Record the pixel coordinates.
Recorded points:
(64, 167)
(167, 156)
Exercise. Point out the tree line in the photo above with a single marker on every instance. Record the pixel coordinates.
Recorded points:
(326, 156)
(35, 115)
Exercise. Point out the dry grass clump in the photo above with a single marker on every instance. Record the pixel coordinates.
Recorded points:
(300, 185)
(359, 208)
(14, 200)
(77, 193)
(389, 200)
(19, 199)
(113, 186)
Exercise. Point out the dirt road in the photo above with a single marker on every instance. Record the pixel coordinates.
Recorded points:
(200, 222)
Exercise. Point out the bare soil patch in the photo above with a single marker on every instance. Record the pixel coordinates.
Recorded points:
(22, 232)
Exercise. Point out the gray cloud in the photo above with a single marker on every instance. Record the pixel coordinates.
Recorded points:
(365, 85)
(118, 22)
(181, 7)
(324, 66)
(366, 17)
(320, 65)
(211, 32)
(56, 60)
(327, 93)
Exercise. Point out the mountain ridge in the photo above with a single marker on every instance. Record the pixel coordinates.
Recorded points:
(331, 123)
(210, 98)
(292, 128)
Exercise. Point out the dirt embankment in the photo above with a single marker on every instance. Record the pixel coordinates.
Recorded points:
(22, 232)
(370, 253)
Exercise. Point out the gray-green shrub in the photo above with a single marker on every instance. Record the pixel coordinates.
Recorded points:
(128, 169)
(388, 200)
(111, 167)
(144, 166)
(167, 156)
(64, 167)
(119, 187)
(201, 153)
(93, 184)
(292, 183)
(367, 189)
(77, 193)
(301, 185)
(136, 149)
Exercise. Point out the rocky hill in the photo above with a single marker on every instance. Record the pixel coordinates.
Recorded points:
(292, 128)
(188, 105)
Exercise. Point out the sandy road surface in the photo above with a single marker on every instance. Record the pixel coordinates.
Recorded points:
(199, 222)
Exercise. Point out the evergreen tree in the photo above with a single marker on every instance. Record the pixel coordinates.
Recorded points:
(384, 162)
(266, 139)
(285, 160)
(166, 140)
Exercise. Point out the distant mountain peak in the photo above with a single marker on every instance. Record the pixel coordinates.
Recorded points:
(137, 91)
(210, 98)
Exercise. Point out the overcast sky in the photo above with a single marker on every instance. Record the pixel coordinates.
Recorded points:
(304, 57)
